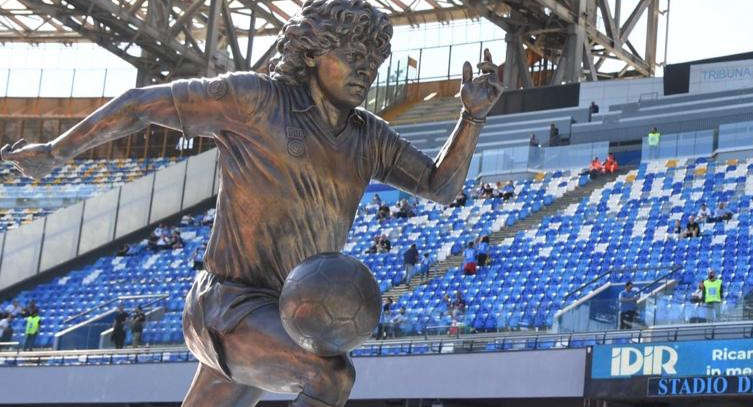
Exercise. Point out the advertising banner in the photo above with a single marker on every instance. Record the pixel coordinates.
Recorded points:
(692, 368)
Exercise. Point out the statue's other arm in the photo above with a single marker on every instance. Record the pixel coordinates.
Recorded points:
(197, 107)
(442, 178)
(128, 113)
(439, 179)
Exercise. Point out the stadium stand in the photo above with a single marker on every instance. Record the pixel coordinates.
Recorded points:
(24, 199)
(623, 226)
(143, 271)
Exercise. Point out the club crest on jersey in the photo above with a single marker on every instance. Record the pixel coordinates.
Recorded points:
(295, 136)
(217, 88)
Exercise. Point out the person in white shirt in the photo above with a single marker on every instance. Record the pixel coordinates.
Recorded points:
(703, 214)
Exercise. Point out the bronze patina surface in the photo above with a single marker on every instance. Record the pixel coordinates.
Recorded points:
(295, 156)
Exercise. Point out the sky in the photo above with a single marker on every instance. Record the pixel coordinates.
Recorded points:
(697, 29)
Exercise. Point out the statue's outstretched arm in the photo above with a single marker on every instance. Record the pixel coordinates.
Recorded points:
(128, 113)
(442, 178)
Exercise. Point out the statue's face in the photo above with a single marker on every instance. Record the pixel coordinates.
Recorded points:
(345, 74)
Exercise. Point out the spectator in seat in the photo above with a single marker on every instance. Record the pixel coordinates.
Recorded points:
(385, 320)
(533, 142)
(678, 230)
(508, 190)
(14, 308)
(208, 218)
(137, 328)
(410, 259)
(32, 329)
(704, 214)
(628, 306)
(384, 244)
(458, 305)
(592, 110)
(693, 229)
(376, 200)
(713, 293)
(118, 327)
(425, 267)
(699, 309)
(6, 329)
(383, 213)
(396, 324)
(198, 257)
(487, 191)
(482, 255)
(405, 210)
(554, 135)
(176, 242)
(595, 169)
(610, 164)
(469, 255)
(460, 200)
(721, 214)
(654, 138)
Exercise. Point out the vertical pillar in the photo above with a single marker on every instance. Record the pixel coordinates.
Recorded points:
(210, 48)
(250, 44)
(157, 15)
(652, 26)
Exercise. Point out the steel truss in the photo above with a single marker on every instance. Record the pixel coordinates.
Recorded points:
(548, 41)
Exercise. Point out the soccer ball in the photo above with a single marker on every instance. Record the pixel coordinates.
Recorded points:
(330, 304)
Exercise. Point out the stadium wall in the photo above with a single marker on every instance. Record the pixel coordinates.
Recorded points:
(531, 374)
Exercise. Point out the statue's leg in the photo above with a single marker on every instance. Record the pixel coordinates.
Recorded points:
(211, 389)
(258, 352)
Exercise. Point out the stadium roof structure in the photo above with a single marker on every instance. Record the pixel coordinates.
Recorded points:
(167, 39)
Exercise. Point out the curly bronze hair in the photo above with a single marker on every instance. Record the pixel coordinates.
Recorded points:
(324, 25)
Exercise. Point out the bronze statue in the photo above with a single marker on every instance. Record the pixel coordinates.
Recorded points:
(295, 155)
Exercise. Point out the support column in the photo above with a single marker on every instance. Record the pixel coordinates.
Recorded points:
(652, 26)
(210, 48)
(158, 16)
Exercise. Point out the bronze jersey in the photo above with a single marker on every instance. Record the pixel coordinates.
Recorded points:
(289, 186)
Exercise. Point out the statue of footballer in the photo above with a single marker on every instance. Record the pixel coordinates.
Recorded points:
(295, 156)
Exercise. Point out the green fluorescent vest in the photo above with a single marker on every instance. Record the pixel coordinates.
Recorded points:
(713, 290)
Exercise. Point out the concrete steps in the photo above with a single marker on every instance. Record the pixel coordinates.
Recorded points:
(435, 109)
(533, 221)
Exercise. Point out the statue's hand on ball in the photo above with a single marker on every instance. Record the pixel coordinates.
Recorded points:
(330, 304)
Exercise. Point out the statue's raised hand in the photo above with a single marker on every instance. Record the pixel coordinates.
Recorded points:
(33, 160)
(481, 93)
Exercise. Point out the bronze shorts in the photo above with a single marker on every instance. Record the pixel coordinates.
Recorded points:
(215, 306)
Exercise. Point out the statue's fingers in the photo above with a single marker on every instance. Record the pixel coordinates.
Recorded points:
(467, 72)
(18, 144)
(486, 67)
(487, 55)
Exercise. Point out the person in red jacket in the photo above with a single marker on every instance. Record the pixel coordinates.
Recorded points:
(610, 164)
(595, 169)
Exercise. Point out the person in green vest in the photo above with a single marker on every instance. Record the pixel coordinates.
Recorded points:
(654, 137)
(32, 329)
(713, 292)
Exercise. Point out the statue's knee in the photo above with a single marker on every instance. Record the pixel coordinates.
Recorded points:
(333, 381)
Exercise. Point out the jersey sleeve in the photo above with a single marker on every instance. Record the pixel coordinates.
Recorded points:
(397, 162)
(206, 105)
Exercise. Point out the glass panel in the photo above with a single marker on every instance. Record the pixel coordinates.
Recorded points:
(89, 83)
(56, 83)
(24, 82)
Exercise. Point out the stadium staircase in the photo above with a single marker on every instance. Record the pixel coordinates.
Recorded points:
(531, 222)
(436, 109)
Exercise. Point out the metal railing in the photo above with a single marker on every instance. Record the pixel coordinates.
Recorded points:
(414, 346)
